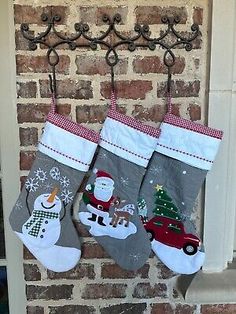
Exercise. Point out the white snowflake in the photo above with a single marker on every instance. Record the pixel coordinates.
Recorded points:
(182, 203)
(103, 155)
(184, 172)
(18, 205)
(124, 181)
(135, 256)
(151, 181)
(155, 169)
(31, 184)
(48, 186)
(65, 182)
(55, 173)
(66, 196)
(40, 174)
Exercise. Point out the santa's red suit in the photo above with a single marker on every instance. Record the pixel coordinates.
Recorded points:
(99, 204)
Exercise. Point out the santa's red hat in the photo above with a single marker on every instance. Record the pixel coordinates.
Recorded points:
(103, 175)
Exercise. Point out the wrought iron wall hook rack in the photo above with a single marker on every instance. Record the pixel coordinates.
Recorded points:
(81, 38)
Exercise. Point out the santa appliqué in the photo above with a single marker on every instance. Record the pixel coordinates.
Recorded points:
(99, 196)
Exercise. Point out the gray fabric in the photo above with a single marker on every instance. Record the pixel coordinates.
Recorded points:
(67, 180)
(132, 252)
(181, 181)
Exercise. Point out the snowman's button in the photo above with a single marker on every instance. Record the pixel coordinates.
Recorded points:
(41, 236)
(46, 221)
(43, 230)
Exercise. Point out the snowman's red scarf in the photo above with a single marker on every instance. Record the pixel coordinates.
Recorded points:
(37, 220)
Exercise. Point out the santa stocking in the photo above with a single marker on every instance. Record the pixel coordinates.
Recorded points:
(108, 206)
(184, 153)
(41, 217)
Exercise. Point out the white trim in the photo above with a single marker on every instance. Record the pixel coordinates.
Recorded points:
(127, 142)
(193, 148)
(67, 148)
(10, 156)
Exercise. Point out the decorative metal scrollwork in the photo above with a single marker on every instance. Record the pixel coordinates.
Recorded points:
(81, 38)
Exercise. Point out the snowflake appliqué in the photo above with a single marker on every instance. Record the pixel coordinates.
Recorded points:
(40, 175)
(155, 169)
(55, 173)
(65, 182)
(18, 205)
(48, 186)
(135, 256)
(66, 196)
(103, 155)
(124, 181)
(31, 184)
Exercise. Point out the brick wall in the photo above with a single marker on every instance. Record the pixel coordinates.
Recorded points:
(97, 285)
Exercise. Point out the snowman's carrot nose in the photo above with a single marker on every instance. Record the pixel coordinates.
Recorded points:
(52, 195)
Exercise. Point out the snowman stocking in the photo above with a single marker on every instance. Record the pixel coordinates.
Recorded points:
(41, 217)
(108, 206)
(184, 153)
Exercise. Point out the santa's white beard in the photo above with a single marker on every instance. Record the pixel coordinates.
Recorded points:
(103, 194)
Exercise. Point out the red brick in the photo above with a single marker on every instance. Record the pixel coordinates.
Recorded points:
(104, 291)
(113, 271)
(26, 253)
(218, 308)
(82, 231)
(68, 89)
(153, 14)
(32, 272)
(32, 15)
(194, 112)
(162, 308)
(92, 114)
(94, 14)
(26, 89)
(53, 292)
(185, 309)
(93, 250)
(26, 159)
(127, 89)
(155, 113)
(164, 272)
(39, 64)
(90, 65)
(78, 272)
(155, 64)
(32, 112)
(129, 308)
(145, 290)
(72, 309)
(197, 15)
(21, 42)
(35, 310)
(180, 88)
(28, 136)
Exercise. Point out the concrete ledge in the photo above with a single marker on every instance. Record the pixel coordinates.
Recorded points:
(208, 288)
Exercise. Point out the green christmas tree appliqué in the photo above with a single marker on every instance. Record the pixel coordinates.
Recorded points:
(164, 205)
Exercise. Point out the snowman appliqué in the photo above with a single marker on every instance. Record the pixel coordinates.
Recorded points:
(99, 200)
(43, 228)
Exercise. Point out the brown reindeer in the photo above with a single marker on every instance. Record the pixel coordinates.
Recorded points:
(122, 214)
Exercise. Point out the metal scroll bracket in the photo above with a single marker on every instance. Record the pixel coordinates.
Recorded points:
(168, 40)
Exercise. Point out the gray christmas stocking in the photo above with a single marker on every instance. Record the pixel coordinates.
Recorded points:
(108, 206)
(41, 217)
(175, 174)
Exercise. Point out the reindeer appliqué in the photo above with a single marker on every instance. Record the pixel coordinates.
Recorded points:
(122, 214)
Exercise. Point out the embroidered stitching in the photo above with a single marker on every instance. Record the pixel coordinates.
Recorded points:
(124, 149)
(180, 151)
(64, 155)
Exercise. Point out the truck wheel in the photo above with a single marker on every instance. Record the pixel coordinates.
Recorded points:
(190, 249)
(150, 234)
